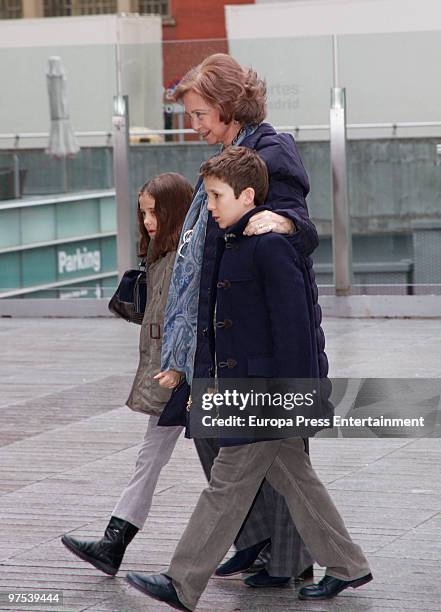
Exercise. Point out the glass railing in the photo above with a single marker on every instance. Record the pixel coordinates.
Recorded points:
(51, 206)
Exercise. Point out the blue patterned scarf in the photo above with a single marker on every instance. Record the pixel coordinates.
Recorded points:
(181, 312)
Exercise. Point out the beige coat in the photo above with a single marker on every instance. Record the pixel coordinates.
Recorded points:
(146, 394)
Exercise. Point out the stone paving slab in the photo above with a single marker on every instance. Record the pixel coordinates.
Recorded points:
(68, 446)
(69, 405)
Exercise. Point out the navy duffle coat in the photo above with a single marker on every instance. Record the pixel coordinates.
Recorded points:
(288, 188)
(264, 315)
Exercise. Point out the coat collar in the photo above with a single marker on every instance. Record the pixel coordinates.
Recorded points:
(264, 129)
(251, 141)
(236, 230)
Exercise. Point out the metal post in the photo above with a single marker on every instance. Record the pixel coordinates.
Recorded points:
(335, 58)
(121, 151)
(16, 166)
(341, 232)
(108, 167)
(181, 124)
(64, 175)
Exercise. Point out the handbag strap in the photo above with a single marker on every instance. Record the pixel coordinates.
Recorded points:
(142, 264)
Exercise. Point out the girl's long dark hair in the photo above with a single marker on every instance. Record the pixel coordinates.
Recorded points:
(172, 194)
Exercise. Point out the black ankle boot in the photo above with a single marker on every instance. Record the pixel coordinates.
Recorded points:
(105, 554)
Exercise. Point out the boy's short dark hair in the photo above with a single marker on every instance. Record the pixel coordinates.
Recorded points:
(239, 167)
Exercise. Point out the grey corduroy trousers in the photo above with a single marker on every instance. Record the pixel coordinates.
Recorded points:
(268, 518)
(237, 474)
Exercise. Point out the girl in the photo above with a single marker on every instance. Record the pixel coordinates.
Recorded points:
(162, 205)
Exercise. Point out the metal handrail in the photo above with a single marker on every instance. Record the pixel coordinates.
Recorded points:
(57, 285)
(290, 128)
(46, 134)
(42, 200)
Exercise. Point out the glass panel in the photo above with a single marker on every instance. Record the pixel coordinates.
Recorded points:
(95, 7)
(10, 9)
(9, 271)
(54, 8)
(62, 230)
(57, 8)
(394, 174)
(161, 7)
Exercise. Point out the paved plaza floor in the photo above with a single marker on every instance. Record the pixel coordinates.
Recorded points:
(68, 446)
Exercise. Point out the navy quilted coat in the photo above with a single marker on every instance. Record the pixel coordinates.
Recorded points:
(288, 188)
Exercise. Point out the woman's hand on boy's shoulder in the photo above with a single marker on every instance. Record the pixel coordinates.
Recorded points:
(269, 221)
(276, 250)
(168, 379)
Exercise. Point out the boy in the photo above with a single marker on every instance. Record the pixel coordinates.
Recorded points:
(263, 329)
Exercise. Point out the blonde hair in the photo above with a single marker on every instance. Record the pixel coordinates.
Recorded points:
(238, 93)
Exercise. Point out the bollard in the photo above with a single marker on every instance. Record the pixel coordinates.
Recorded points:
(121, 153)
(16, 165)
(341, 233)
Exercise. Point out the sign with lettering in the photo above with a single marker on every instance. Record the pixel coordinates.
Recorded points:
(84, 259)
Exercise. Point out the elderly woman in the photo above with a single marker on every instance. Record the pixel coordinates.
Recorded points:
(227, 105)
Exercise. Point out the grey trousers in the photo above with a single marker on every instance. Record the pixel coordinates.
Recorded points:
(155, 452)
(237, 474)
(268, 517)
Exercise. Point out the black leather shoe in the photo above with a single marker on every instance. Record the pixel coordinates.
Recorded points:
(264, 580)
(242, 561)
(329, 587)
(159, 587)
(105, 554)
(258, 565)
(307, 574)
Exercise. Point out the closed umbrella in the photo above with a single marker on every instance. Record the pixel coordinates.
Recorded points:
(62, 140)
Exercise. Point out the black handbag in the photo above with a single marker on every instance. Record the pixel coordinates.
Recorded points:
(130, 297)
